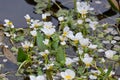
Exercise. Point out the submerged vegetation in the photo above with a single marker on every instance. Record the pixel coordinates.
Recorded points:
(79, 48)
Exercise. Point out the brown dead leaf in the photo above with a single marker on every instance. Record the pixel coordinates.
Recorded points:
(115, 3)
(9, 55)
(1, 36)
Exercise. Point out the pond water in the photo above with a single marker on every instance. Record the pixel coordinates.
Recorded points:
(15, 10)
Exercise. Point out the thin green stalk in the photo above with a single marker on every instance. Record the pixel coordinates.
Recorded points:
(49, 1)
(75, 5)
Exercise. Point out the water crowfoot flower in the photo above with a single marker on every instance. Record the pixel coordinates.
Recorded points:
(8, 23)
(33, 33)
(27, 45)
(109, 54)
(27, 17)
(46, 41)
(83, 8)
(68, 74)
(87, 60)
(69, 61)
(40, 77)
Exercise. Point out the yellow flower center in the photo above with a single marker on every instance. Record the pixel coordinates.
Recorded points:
(9, 23)
(87, 65)
(68, 77)
(75, 41)
(64, 33)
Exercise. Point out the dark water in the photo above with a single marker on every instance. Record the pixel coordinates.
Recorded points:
(15, 10)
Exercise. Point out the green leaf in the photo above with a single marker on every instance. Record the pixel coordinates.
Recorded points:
(55, 41)
(60, 56)
(21, 55)
(49, 75)
(116, 57)
(40, 41)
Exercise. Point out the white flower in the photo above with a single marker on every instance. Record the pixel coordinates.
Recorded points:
(63, 43)
(48, 25)
(92, 77)
(49, 66)
(27, 17)
(68, 74)
(100, 50)
(76, 59)
(87, 60)
(45, 53)
(48, 32)
(8, 23)
(26, 44)
(69, 61)
(84, 41)
(63, 38)
(83, 8)
(118, 78)
(33, 33)
(61, 18)
(7, 34)
(40, 77)
(109, 54)
(103, 60)
(91, 46)
(44, 16)
(78, 36)
(79, 21)
(66, 31)
(46, 41)
(35, 23)
(93, 24)
(80, 51)
(95, 72)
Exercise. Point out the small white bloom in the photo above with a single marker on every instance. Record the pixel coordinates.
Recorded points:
(95, 72)
(93, 24)
(46, 41)
(7, 34)
(48, 32)
(92, 77)
(33, 33)
(69, 61)
(45, 53)
(83, 8)
(48, 25)
(63, 43)
(66, 31)
(91, 46)
(26, 44)
(118, 78)
(40, 77)
(87, 60)
(78, 36)
(101, 50)
(35, 24)
(84, 41)
(27, 17)
(109, 54)
(8, 23)
(80, 51)
(79, 21)
(103, 60)
(76, 59)
(68, 74)
(49, 66)
(61, 18)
